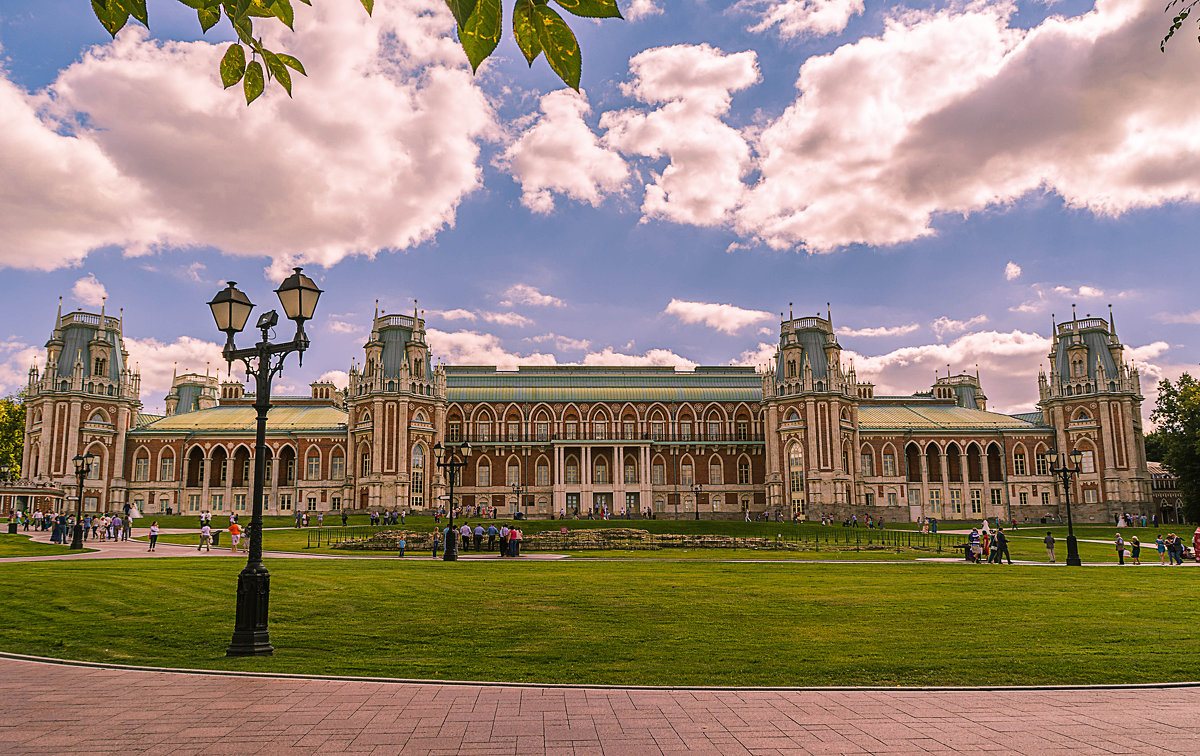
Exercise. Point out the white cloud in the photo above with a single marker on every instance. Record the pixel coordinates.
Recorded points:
(561, 343)
(507, 319)
(473, 348)
(344, 327)
(89, 292)
(639, 9)
(524, 294)
(702, 183)
(763, 354)
(944, 326)
(954, 111)
(878, 332)
(802, 18)
(560, 153)
(457, 314)
(16, 358)
(723, 317)
(134, 145)
(1191, 318)
(1012, 271)
(194, 272)
(660, 357)
(157, 361)
(1083, 292)
(339, 378)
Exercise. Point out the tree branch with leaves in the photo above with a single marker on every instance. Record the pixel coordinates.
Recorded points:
(537, 27)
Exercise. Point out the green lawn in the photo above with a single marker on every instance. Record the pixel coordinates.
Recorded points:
(19, 545)
(625, 623)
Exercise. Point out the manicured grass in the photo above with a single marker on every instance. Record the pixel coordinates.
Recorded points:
(630, 623)
(19, 545)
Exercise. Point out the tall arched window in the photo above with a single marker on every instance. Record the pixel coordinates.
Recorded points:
(796, 477)
(364, 462)
(600, 472)
(483, 476)
(416, 495)
(543, 472)
(513, 474)
(716, 472)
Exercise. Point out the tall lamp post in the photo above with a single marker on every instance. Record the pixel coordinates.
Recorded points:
(1064, 472)
(231, 309)
(5, 469)
(82, 465)
(444, 459)
(518, 489)
(696, 489)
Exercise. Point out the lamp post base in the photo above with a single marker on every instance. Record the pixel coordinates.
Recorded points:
(451, 554)
(77, 537)
(1073, 552)
(250, 635)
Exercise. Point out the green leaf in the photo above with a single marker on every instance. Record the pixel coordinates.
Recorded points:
(112, 15)
(462, 10)
(283, 11)
(592, 8)
(233, 65)
(368, 4)
(243, 27)
(137, 9)
(526, 24)
(208, 17)
(277, 69)
(291, 63)
(254, 81)
(560, 46)
(482, 32)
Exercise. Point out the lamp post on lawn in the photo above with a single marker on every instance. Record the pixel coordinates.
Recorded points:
(231, 309)
(444, 459)
(82, 465)
(518, 488)
(696, 489)
(1064, 472)
(5, 469)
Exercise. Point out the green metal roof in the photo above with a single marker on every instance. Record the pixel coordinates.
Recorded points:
(241, 419)
(602, 384)
(144, 418)
(1034, 418)
(926, 417)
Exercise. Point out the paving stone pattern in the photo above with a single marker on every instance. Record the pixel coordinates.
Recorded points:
(57, 709)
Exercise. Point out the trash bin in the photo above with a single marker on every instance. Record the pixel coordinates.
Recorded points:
(12, 527)
(216, 534)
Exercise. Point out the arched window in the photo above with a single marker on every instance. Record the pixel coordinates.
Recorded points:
(241, 467)
(312, 465)
(166, 465)
(364, 462)
(571, 472)
(953, 463)
(141, 466)
(483, 474)
(796, 477)
(416, 495)
(743, 472)
(513, 474)
(1019, 464)
(716, 472)
(658, 472)
(543, 472)
(600, 472)
(686, 478)
(933, 460)
(631, 471)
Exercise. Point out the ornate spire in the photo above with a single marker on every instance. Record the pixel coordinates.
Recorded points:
(1112, 326)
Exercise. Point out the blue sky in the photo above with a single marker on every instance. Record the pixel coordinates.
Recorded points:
(946, 176)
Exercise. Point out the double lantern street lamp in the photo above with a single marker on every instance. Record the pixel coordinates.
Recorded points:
(5, 469)
(445, 459)
(82, 465)
(696, 489)
(1064, 472)
(231, 309)
(518, 489)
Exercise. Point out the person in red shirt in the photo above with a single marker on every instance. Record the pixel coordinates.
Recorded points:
(235, 535)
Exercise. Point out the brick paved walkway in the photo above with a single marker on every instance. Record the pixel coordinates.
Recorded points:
(51, 709)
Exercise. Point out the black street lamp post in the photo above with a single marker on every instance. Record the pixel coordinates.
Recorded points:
(518, 489)
(5, 469)
(696, 489)
(444, 459)
(231, 309)
(1064, 472)
(82, 465)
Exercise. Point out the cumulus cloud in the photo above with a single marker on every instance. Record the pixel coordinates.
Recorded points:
(801, 18)
(456, 314)
(16, 357)
(726, 318)
(761, 355)
(953, 111)
(879, 332)
(344, 327)
(524, 294)
(339, 378)
(1012, 271)
(702, 182)
(89, 292)
(474, 348)
(1191, 318)
(561, 343)
(944, 326)
(1044, 295)
(639, 9)
(660, 357)
(507, 319)
(561, 154)
(157, 361)
(134, 145)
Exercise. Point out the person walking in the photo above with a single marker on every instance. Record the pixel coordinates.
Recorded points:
(1135, 550)
(1049, 541)
(435, 543)
(205, 538)
(344, 518)
(491, 534)
(1000, 547)
(975, 546)
(1120, 544)
(515, 536)
(402, 544)
(1196, 544)
(504, 533)
(1162, 550)
(153, 535)
(478, 533)
(465, 532)
(235, 535)
(126, 528)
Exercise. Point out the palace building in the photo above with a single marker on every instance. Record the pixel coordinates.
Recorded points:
(800, 438)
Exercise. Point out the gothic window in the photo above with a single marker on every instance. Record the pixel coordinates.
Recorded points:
(312, 469)
(631, 471)
(513, 473)
(600, 474)
(571, 472)
(743, 472)
(543, 473)
(685, 474)
(716, 475)
(483, 476)
(416, 495)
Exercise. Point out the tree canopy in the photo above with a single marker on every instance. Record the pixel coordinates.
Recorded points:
(1177, 414)
(536, 26)
(12, 433)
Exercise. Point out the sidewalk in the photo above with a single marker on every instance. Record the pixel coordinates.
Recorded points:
(81, 710)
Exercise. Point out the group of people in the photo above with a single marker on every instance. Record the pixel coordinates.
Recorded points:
(508, 539)
(392, 517)
(984, 546)
(1171, 550)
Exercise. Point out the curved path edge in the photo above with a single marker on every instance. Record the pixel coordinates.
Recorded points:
(597, 686)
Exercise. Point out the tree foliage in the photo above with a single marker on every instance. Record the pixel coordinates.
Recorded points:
(536, 26)
(1156, 447)
(1177, 414)
(12, 433)
(1185, 8)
